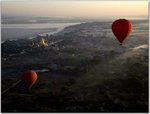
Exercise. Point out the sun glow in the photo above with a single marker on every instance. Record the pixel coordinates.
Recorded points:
(76, 8)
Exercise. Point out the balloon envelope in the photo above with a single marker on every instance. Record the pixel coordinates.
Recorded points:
(121, 29)
(29, 78)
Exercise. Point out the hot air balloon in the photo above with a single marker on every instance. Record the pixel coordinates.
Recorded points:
(121, 29)
(29, 78)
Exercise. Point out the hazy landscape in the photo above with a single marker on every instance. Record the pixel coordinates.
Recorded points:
(83, 68)
(28, 27)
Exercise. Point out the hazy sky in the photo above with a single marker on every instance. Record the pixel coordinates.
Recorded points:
(75, 8)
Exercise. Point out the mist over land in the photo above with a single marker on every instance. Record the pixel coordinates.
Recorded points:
(83, 68)
(18, 27)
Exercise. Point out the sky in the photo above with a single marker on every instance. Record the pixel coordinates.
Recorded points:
(72, 8)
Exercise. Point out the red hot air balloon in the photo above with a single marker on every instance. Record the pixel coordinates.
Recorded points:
(121, 29)
(29, 78)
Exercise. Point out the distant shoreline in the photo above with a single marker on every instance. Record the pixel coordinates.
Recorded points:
(28, 32)
(31, 31)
